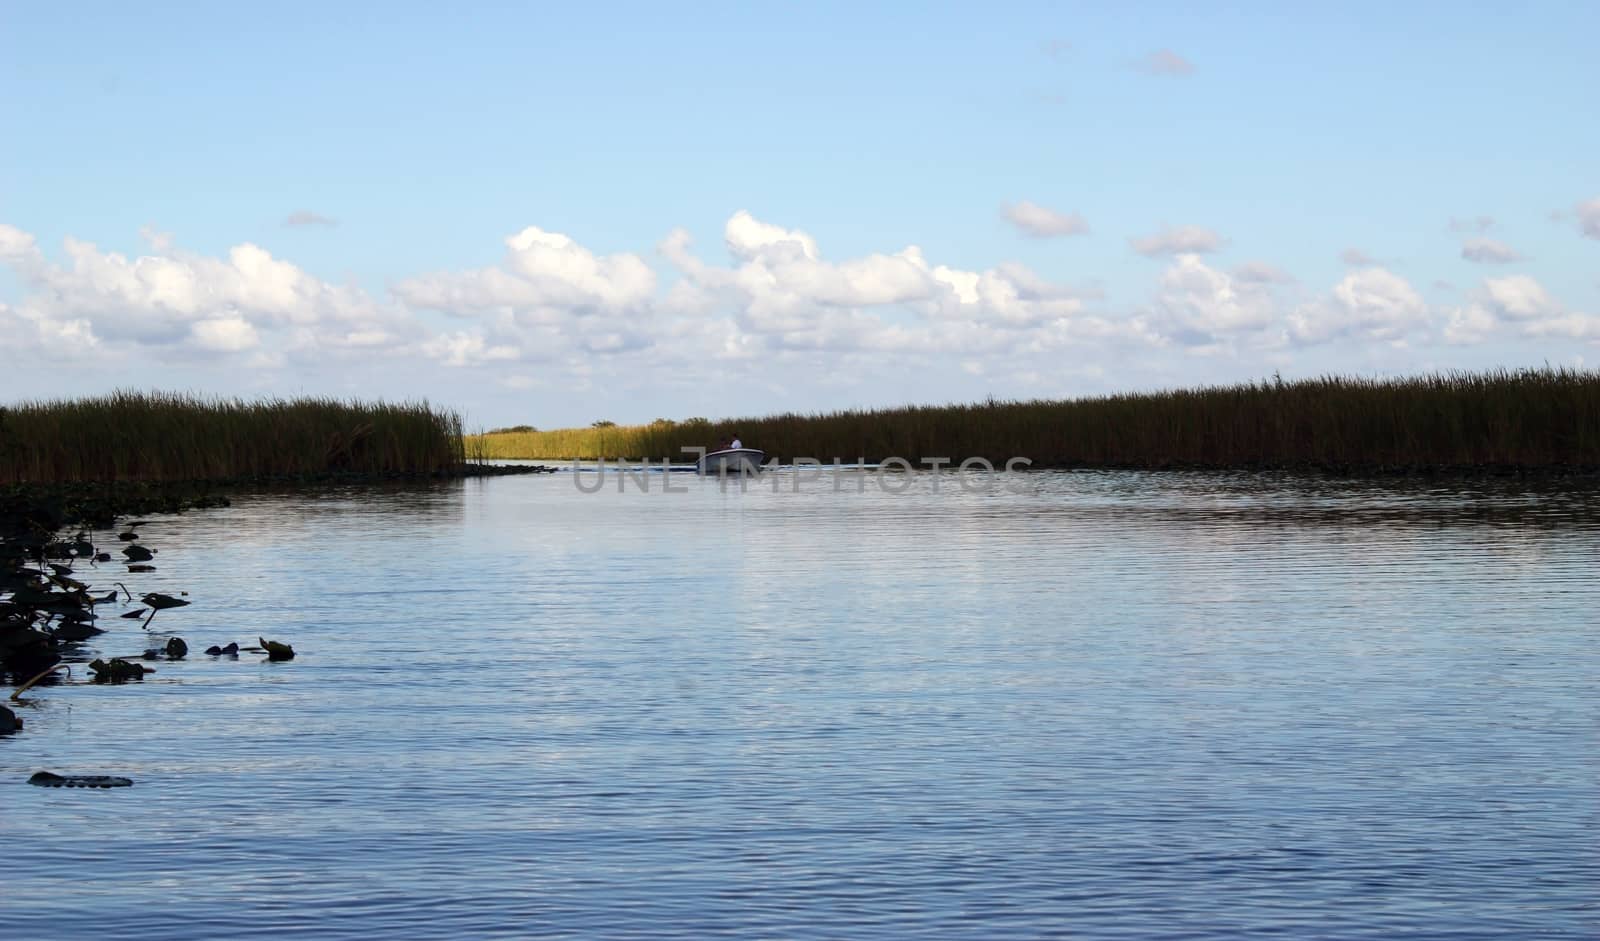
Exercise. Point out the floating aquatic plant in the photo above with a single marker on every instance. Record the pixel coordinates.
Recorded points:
(117, 670)
(275, 650)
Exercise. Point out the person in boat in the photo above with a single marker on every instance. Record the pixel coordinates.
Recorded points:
(722, 445)
(735, 444)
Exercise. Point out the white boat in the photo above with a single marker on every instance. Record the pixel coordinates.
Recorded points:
(733, 461)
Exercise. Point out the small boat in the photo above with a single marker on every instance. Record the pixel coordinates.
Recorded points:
(733, 461)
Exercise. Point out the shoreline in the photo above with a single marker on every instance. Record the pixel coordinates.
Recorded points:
(1306, 469)
(1497, 422)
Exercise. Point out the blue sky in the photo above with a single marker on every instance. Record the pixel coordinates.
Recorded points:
(1318, 173)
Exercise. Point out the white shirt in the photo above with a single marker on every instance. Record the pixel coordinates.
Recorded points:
(736, 444)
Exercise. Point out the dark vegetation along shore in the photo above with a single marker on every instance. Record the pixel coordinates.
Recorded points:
(71, 470)
(174, 437)
(1524, 421)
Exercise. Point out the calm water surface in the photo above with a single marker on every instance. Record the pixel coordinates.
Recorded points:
(1114, 705)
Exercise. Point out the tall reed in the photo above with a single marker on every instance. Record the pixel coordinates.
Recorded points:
(1546, 417)
(160, 436)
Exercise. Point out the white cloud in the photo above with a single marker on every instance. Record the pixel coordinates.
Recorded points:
(1574, 326)
(18, 248)
(1201, 305)
(224, 334)
(1165, 62)
(1588, 215)
(1179, 240)
(1487, 251)
(1041, 222)
(781, 287)
(766, 307)
(464, 348)
(171, 297)
(1468, 325)
(1520, 302)
(1519, 297)
(747, 237)
(544, 276)
(1373, 303)
(1356, 258)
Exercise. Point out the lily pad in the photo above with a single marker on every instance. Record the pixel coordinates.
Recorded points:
(141, 568)
(134, 614)
(74, 631)
(177, 649)
(138, 554)
(161, 602)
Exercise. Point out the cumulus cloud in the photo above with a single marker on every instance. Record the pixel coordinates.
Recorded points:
(1165, 62)
(1519, 297)
(224, 334)
(1519, 303)
(748, 237)
(301, 217)
(1179, 240)
(544, 278)
(781, 287)
(1198, 304)
(1588, 215)
(1487, 251)
(1373, 303)
(467, 348)
(177, 298)
(1040, 222)
(768, 297)
(1571, 326)
(1468, 325)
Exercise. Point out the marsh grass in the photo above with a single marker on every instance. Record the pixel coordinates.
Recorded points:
(1546, 418)
(159, 436)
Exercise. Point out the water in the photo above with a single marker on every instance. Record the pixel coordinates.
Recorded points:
(1114, 705)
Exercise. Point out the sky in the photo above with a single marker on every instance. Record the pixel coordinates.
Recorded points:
(560, 214)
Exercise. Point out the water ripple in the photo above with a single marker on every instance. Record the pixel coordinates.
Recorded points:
(1113, 705)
